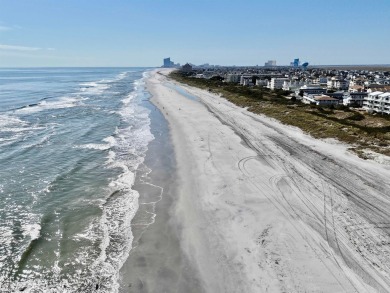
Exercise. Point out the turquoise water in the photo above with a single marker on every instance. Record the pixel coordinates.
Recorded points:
(71, 140)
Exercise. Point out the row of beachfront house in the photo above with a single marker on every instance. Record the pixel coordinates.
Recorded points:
(320, 96)
(350, 88)
(378, 102)
(314, 94)
(375, 102)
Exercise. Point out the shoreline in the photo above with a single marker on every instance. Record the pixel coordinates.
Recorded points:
(262, 206)
(155, 262)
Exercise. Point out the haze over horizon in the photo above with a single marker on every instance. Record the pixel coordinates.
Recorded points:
(142, 33)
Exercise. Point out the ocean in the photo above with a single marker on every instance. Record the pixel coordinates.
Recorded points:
(71, 143)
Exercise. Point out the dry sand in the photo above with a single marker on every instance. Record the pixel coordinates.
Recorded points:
(263, 207)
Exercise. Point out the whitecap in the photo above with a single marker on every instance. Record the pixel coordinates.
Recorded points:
(64, 102)
(129, 98)
(8, 121)
(110, 158)
(31, 230)
(93, 146)
(110, 142)
(95, 87)
(121, 75)
(12, 128)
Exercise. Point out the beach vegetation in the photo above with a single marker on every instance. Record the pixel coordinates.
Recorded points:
(217, 78)
(361, 130)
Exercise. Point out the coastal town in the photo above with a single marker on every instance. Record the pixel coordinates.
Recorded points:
(216, 146)
(365, 88)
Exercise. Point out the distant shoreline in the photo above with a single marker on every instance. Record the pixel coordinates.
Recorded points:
(377, 67)
(346, 66)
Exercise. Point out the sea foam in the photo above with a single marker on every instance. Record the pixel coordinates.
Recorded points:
(64, 102)
(105, 241)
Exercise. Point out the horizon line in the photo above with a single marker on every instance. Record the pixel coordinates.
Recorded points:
(159, 66)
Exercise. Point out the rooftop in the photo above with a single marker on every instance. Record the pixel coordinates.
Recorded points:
(324, 98)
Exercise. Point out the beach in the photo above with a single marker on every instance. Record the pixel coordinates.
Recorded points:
(258, 206)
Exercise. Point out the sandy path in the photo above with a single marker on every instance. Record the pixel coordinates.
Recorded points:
(265, 208)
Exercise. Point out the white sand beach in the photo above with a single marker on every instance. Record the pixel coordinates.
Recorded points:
(263, 207)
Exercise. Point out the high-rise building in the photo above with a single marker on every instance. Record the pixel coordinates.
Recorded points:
(168, 63)
(296, 62)
(270, 63)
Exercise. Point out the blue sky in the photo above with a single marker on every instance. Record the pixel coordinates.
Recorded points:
(225, 32)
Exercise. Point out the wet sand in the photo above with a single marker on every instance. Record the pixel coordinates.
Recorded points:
(156, 262)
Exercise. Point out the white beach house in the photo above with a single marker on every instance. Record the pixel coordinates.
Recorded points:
(277, 83)
(373, 102)
(378, 102)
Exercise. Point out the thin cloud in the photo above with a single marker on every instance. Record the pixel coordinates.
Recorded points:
(5, 28)
(22, 48)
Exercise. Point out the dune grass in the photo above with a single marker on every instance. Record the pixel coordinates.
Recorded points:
(361, 130)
